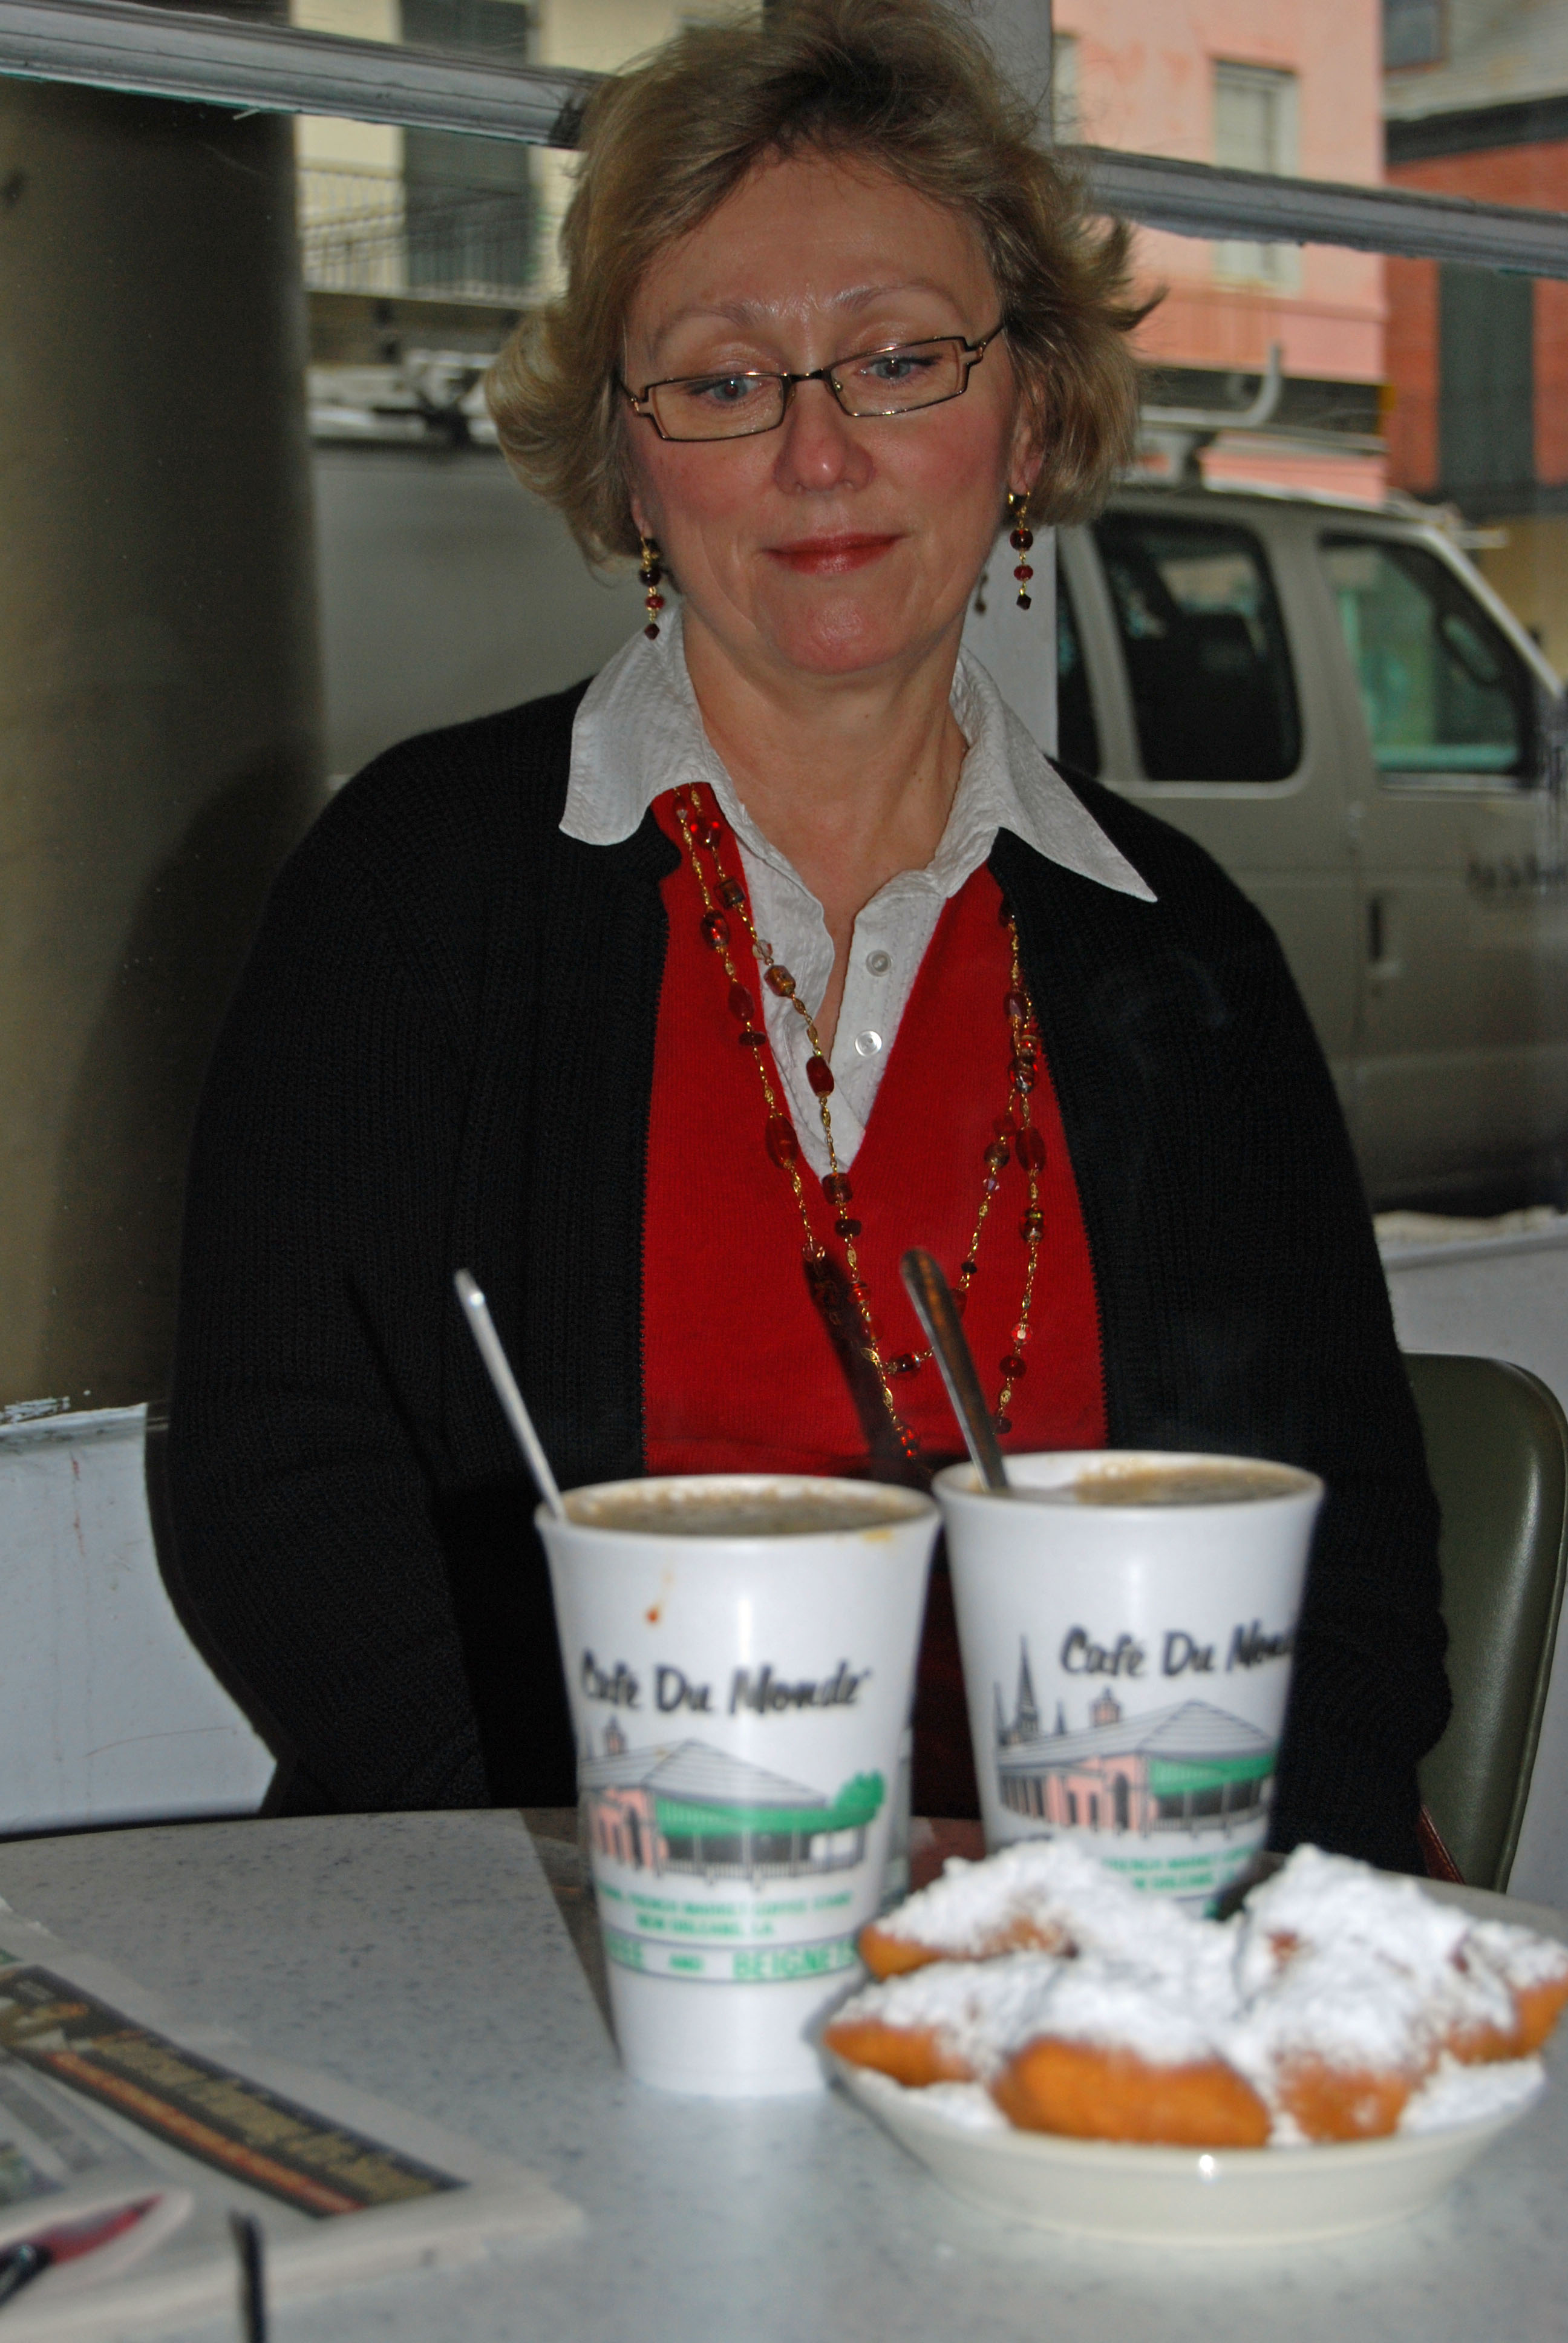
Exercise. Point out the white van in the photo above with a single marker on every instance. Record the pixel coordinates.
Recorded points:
(1331, 700)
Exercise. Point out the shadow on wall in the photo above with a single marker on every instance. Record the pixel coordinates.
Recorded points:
(115, 1241)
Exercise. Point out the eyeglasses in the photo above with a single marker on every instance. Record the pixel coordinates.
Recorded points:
(897, 380)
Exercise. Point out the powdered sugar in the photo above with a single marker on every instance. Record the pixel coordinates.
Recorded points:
(1322, 1899)
(1462, 2094)
(1519, 1956)
(1051, 1886)
(1341, 2004)
(1117, 2007)
(1361, 1970)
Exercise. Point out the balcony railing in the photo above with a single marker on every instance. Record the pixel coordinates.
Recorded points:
(363, 230)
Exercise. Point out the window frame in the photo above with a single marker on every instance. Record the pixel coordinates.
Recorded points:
(124, 45)
(1178, 509)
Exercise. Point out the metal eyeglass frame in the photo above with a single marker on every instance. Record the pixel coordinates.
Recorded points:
(970, 356)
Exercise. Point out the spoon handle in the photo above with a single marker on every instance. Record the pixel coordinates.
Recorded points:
(514, 1407)
(927, 1289)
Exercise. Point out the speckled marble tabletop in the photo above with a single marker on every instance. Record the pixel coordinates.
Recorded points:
(426, 1958)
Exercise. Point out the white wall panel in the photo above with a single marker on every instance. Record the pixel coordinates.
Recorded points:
(107, 1712)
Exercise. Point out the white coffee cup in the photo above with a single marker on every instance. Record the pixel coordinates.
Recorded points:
(1127, 1662)
(739, 1700)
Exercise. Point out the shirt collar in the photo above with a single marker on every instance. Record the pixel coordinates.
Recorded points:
(639, 732)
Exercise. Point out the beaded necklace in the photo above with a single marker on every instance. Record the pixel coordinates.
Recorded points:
(1013, 1132)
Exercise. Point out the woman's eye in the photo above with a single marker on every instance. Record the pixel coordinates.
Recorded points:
(898, 367)
(722, 390)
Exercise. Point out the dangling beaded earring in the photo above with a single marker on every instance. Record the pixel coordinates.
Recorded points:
(1021, 539)
(650, 573)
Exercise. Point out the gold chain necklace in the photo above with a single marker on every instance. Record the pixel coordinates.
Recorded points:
(1013, 1133)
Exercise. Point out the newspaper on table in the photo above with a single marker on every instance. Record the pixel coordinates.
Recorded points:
(128, 2134)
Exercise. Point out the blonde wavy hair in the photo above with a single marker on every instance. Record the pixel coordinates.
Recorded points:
(901, 84)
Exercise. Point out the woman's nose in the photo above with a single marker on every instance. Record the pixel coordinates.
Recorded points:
(819, 447)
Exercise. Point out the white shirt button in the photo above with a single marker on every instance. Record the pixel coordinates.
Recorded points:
(868, 1044)
(879, 963)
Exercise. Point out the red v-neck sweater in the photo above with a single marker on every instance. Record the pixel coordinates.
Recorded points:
(739, 1373)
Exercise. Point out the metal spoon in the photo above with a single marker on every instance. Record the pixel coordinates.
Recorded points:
(482, 1328)
(928, 1290)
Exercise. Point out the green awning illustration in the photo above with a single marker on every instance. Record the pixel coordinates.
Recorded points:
(857, 1803)
(1167, 1780)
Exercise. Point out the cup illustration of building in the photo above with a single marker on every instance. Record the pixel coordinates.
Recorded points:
(1190, 1767)
(691, 1808)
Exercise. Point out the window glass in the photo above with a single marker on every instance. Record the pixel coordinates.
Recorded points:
(1485, 353)
(1412, 33)
(1444, 692)
(1255, 130)
(1077, 733)
(1208, 665)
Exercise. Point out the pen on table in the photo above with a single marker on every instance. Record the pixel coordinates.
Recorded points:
(248, 2244)
(20, 2265)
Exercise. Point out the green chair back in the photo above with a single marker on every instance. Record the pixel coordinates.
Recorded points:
(1497, 1449)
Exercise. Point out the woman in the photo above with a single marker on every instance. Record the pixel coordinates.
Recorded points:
(677, 1007)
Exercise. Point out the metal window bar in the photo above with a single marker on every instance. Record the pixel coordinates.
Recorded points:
(168, 52)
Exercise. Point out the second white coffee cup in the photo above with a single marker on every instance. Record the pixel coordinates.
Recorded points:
(1127, 1663)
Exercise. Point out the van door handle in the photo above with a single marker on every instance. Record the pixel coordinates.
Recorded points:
(1381, 962)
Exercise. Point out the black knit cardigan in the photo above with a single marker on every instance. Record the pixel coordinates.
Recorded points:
(441, 1054)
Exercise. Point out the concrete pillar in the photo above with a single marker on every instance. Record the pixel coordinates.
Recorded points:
(158, 693)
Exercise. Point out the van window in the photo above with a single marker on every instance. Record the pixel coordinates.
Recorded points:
(1446, 695)
(1207, 661)
(1077, 733)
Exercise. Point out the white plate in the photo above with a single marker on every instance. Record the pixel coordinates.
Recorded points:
(1174, 2196)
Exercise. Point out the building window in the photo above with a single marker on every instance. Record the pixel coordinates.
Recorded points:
(1066, 120)
(468, 203)
(1413, 33)
(1255, 130)
(1486, 387)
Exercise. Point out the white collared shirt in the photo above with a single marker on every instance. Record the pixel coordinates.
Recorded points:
(639, 732)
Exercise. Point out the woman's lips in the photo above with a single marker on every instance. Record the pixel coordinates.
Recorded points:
(829, 556)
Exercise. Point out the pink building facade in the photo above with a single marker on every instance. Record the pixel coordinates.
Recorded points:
(1257, 84)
